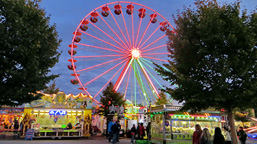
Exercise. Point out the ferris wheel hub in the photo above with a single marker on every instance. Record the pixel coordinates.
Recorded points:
(135, 53)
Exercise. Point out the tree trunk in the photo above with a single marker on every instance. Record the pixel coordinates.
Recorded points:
(232, 127)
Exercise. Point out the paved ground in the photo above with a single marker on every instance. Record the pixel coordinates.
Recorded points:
(92, 140)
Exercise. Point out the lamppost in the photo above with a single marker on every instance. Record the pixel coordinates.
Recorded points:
(149, 121)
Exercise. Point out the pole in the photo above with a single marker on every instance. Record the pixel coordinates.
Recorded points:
(163, 124)
(149, 118)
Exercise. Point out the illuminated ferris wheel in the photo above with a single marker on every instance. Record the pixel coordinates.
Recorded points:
(119, 42)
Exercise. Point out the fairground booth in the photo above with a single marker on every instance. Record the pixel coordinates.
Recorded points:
(59, 115)
(100, 122)
(168, 123)
(7, 117)
(134, 115)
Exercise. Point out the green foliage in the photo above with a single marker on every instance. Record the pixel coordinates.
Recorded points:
(51, 89)
(110, 97)
(213, 57)
(28, 51)
(162, 100)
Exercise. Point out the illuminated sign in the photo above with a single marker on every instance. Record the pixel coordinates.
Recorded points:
(57, 112)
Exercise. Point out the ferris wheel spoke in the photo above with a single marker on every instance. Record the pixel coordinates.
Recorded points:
(80, 83)
(126, 28)
(132, 24)
(104, 73)
(149, 36)
(122, 75)
(130, 69)
(142, 84)
(99, 56)
(155, 53)
(157, 81)
(148, 78)
(155, 48)
(138, 30)
(94, 100)
(109, 80)
(99, 47)
(144, 32)
(135, 83)
(139, 80)
(107, 30)
(97, 33)
(102, 40)
(154, 42)
(100, 64)
(114, 32)
(155, 58)
(97, 43)
(107, 35)
(119, 28)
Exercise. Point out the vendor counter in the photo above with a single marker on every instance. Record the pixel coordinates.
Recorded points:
(57, 123)
(57, 133)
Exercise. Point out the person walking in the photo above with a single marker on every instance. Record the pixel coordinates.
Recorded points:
(205, 137)
(141, 131)
(148, 131)
(197, 134)
(133, 133)
(110, 134)
(218, 137)
(16, 125)
(138, 135)
(119, 128)
(115, 130)
(242, 135)
(227, 136)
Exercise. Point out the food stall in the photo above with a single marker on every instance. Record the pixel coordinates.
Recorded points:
(59, 115)
(168, 123)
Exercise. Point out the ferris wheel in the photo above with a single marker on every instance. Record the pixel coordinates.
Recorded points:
(118, 42)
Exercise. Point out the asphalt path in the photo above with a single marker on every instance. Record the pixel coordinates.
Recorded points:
(92, 140)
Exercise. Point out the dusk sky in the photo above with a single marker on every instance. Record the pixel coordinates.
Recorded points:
(67, 14)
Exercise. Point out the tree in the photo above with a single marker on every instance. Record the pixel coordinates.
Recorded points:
(162, 100)
(51, 89)
(110, 97)
(213, 58)
(28, 51)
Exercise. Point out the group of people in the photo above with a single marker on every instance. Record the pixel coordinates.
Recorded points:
(114, 131)
(140, 131)
(9, 125)
(204, 137)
